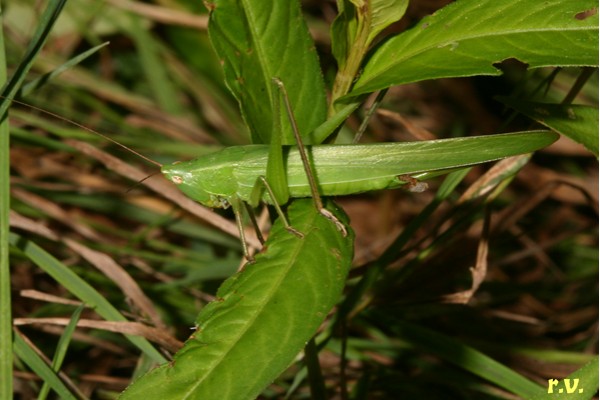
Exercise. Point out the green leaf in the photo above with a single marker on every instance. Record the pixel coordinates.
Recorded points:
(577, 122)
(260, 40)
(467, 37)
(263, 316)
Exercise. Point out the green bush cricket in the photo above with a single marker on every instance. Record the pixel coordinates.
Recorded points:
(273, 173)
(238, 174)
(228, 177)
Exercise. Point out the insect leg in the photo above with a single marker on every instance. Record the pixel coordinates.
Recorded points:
(236, 205)
(259, 235)
(261, 180)
(305, 162)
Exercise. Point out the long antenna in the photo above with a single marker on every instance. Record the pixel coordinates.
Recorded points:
(85, 128)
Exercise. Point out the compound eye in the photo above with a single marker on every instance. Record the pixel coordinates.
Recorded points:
(176, 179)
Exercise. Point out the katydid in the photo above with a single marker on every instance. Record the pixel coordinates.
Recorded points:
(220, 179)
(238, 174)
(274, 173)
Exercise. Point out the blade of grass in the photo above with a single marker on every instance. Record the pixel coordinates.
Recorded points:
(154, 67)
(61, 348)
(6, 359)
(35, 46)
(39, 82)
(394, 250)
(466, 357)
(80, 288)
(10, 87)
(41, 369)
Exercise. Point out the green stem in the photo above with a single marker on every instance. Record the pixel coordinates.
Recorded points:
(345, 76)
